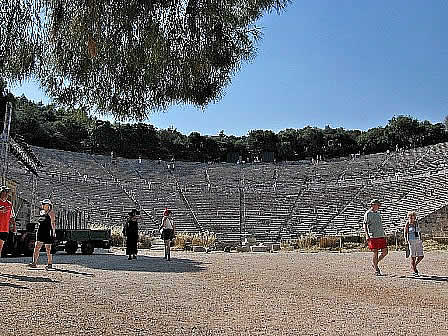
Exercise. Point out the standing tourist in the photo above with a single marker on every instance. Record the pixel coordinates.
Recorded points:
(375, 235)
(168, 230)
(130, 231)
(6, 216)
(45, 233)
(413, 238)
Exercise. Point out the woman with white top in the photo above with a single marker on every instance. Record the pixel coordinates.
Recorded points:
(413, 238)
(168, 231)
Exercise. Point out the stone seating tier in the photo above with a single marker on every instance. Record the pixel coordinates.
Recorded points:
(282, 199)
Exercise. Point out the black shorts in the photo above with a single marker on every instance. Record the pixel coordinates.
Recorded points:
(44, 238)
(167, 234)
(4, 236)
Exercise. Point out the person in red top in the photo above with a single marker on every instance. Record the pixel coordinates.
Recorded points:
(6, 215)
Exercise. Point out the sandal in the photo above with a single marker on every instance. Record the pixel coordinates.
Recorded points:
(32, 265)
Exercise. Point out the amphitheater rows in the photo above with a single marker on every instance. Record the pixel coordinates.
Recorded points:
(271, 201)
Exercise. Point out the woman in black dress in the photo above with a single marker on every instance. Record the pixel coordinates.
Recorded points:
(45, 233)
(130, 231)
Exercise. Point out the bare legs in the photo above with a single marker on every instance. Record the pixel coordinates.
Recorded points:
(49, 255)
(167, 250)
(414, 262)
(376, 259)
(37, 248)
(1, 246)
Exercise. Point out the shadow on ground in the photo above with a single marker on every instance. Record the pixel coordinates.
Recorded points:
(422, 277)
(11, 285)
(26, 278)
(55, 269)
(142, 264)
(113, 262)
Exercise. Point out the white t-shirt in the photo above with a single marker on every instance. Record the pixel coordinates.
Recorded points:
(168, 224)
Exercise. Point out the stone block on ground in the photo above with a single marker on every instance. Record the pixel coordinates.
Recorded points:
(198, 249)
(268, 246)
(258, 248)
(288, 248)
(244, 248)
(275, 247)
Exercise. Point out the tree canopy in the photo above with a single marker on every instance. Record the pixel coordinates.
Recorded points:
(129, 57)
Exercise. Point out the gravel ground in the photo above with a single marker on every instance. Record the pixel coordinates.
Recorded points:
(286, 293)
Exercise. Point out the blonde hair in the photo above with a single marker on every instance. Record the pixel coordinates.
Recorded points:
(412, 213)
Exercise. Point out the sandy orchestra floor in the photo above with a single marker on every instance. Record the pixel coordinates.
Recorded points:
(286, 293)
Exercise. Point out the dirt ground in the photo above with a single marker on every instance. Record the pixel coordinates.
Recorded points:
(286, 293)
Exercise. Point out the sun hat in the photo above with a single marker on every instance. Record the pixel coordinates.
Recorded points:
(46, 201)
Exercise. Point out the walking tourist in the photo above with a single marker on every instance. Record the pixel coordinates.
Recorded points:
(45, 233)
(412, 236)
(130, 231)
(375, 235)
(6, 216)
(168, 230)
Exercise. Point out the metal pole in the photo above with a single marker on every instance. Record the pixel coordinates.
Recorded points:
(5, 140)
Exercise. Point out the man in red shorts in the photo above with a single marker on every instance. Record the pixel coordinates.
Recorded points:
(6, 216)
(375, 235)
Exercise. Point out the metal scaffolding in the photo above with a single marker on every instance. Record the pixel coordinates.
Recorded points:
(5, 141)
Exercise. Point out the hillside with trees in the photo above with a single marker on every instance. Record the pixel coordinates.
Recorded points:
(74, 130)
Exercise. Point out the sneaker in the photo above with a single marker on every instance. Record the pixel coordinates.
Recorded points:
(377, 271)
(134, 257)
(130, 258)
(32, 265)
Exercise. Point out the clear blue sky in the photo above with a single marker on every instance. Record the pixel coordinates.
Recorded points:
(351, 64)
